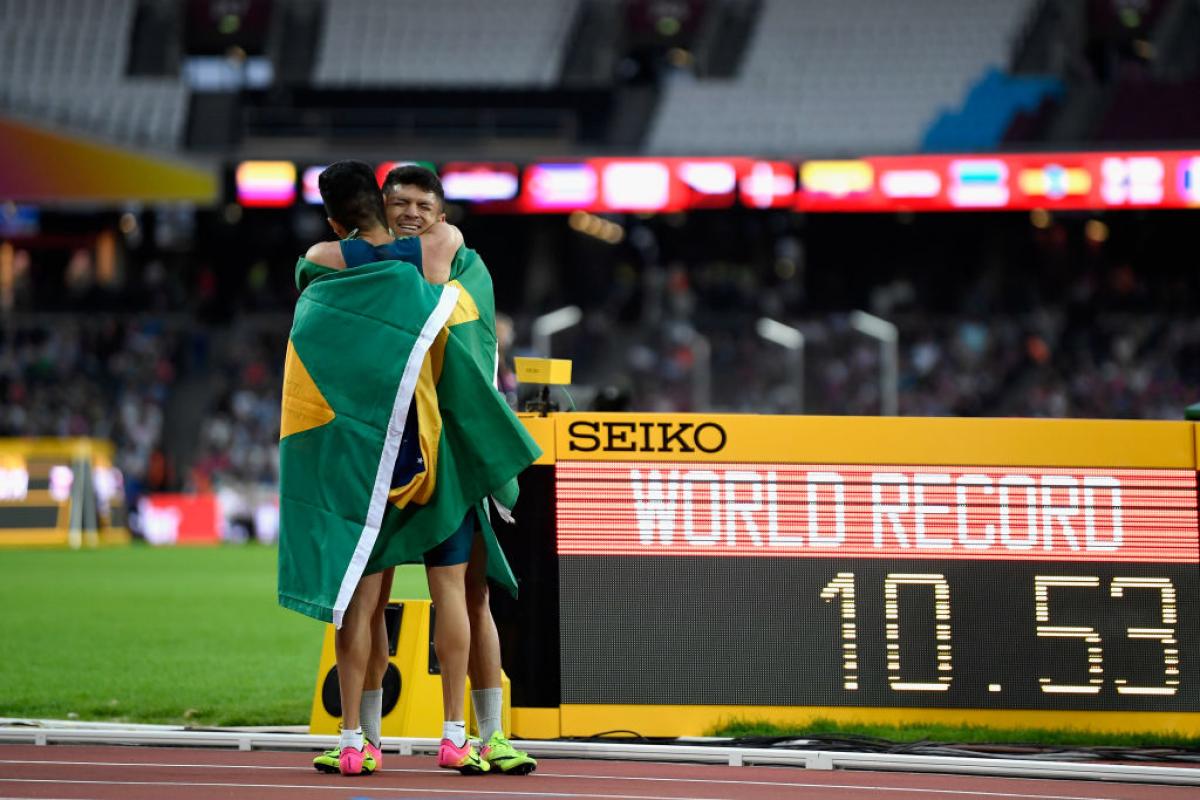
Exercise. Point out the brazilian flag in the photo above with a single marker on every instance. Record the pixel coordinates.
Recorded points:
(372, 350)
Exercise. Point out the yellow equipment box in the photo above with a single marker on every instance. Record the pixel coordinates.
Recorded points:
(555, 371)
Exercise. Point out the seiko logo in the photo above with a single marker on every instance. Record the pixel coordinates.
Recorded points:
(646, 437)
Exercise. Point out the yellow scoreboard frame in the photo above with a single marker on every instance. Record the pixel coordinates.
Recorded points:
(576, 442)
(60, 493)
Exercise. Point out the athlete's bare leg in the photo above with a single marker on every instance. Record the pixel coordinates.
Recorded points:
(484, 664)
(352, 646)
(378, 660)
(451, 635)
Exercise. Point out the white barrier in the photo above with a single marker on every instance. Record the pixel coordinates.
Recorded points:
(148, 735)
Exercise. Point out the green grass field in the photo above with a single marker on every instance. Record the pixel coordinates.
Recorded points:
(169, 635)
(193, 636)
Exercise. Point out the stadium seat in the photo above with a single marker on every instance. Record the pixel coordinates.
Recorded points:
(849, 77)
(73, 74)
(513, 44)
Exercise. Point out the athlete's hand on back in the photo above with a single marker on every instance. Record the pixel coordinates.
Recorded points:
(439, 244)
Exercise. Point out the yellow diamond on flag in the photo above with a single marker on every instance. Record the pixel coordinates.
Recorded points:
(304, 407)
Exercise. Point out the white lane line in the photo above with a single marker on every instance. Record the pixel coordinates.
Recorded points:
(374, 787)
(175, 766)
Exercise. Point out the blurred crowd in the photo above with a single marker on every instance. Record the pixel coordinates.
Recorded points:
(65, 375)
(197, 409)
(239, 433)
(1006, 318)
(1127, 366)
(190, 407)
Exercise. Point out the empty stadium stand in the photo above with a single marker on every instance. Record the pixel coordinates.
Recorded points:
(72, 74)
(783, 77)
(849, 77)
(481, 43)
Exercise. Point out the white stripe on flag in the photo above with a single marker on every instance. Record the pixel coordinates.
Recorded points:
(391, 448)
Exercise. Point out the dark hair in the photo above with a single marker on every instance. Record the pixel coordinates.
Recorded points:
(411, 175)
(351, 195)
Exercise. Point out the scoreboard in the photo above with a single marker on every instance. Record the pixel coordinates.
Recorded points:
(1003, 571)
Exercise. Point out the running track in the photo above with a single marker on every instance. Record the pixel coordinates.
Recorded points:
(74, 772)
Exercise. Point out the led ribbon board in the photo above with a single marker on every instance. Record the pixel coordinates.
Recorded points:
(742, 562)
(1082, 180)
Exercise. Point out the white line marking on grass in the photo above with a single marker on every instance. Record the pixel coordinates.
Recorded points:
(375, 788)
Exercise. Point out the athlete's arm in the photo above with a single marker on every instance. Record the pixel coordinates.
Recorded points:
(327, 254)
(439, 244)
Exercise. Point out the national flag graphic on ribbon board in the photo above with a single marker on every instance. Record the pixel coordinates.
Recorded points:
(978, 183)
(555, 187)
(266, 183)
(1189, 180)
(769, 184)
(910, 184)
(1054, 181)
(1136, 180)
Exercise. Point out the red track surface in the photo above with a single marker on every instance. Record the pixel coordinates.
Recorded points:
(70, 772)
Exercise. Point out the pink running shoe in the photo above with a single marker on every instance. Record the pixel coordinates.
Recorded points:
(352, 761)
(465, 759)
(372, 753)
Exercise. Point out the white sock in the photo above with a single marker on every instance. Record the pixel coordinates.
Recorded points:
(351, 739)
(370, 712)
(455, 731)
(488, 704)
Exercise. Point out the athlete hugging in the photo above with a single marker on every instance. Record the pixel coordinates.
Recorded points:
(395, 235)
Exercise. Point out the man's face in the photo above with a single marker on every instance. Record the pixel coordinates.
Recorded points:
(411, 210)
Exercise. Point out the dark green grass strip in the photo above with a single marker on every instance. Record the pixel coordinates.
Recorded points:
(965, 734)
(166, 635)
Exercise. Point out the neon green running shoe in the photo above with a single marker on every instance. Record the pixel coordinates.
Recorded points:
(331, 761)
(500, 753)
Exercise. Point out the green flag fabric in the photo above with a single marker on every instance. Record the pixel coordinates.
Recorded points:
(479, 338)
(472, 334)
(366, 345)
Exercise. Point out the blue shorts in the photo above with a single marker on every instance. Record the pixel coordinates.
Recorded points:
(456, 549)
